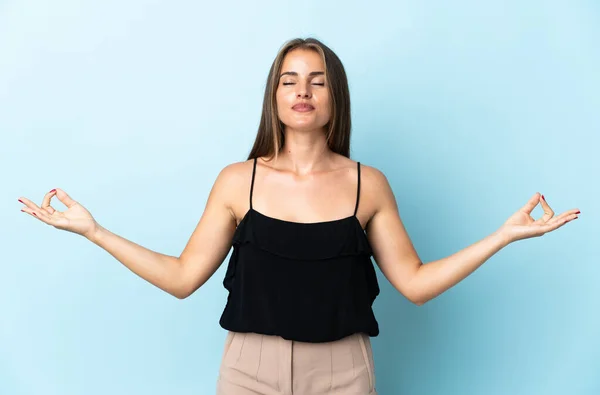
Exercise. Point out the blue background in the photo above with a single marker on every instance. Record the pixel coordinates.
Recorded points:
(133, 107)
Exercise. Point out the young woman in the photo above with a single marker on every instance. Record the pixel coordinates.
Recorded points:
(304, 220)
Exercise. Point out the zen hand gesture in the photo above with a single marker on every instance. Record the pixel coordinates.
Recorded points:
(75, 219)
(522, 226)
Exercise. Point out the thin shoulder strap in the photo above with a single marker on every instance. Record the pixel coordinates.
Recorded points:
(357, 188)
(252, 184)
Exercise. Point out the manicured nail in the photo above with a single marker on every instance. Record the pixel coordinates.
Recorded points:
(23, 210)
(21, 201)
(543, 197)
(579, 212)
(52, 191)
(34, 214)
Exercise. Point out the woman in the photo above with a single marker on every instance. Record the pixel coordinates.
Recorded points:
(304, 221)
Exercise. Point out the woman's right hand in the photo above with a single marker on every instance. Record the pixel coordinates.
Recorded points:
(76, 218)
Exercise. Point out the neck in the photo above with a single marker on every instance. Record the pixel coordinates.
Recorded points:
(304, 151)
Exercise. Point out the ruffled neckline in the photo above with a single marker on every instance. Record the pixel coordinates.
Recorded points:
(333, 221)
(303, 240)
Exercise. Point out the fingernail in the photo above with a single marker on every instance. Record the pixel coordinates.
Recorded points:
(23, 210)
(34, 214)
(52, 191)
(579, 212)
(543, 197)
(21, 201)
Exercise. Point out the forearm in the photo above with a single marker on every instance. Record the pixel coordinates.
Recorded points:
(161, 270)
(436, 277)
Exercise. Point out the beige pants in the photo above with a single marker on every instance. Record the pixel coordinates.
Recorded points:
(255, 364)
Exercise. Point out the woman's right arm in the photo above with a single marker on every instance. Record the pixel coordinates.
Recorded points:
(163, 271)
(180, 276)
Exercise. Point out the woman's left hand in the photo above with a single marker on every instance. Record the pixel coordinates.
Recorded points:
(522, 226)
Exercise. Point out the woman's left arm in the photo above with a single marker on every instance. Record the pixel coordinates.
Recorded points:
(396, 257)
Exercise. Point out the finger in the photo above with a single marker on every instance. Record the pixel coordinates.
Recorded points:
(564, 215)
(39, 214)
(548, 212)
(46, 202)
(28, 203)
(33, 209)
(530, 205)
(65, 198)
(557, 223)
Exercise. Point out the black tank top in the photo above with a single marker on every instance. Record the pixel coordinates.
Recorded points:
(311, 282)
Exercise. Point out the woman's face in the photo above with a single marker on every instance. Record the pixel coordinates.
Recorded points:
(302, 80)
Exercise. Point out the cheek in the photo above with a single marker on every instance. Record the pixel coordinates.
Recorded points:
(284, 100)
(279, 100)
(281, 108)
(326, 107)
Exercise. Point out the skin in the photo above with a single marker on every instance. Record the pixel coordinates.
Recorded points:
(307, 183)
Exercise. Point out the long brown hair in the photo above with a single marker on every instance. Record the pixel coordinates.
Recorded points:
(270, 136)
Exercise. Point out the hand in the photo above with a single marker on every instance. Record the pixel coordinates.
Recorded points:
(75, 219)
(522, 226)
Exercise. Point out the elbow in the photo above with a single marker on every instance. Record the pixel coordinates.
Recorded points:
(418, 300)
(179, 287)
(414, 291)
(181, 292)
(180, 295)
(185, 290)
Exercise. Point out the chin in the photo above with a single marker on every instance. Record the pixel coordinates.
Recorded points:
(304, 126)
(307, 124)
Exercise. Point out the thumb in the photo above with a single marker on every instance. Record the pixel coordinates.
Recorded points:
(530, 205)
(65, 198)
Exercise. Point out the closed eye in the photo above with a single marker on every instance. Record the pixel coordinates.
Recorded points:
(291, 83)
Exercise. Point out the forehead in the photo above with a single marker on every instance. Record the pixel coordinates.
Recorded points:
(302, 61)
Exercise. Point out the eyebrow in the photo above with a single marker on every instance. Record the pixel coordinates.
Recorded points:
(296, 74)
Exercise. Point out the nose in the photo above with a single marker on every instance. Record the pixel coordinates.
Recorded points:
(303, 90)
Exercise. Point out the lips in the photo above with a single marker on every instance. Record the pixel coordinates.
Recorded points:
(303, 107)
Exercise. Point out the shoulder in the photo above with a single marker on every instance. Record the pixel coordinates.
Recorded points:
(235, 171)
(232, 180)
(372, 176)
(373, 182)
(376, 192)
